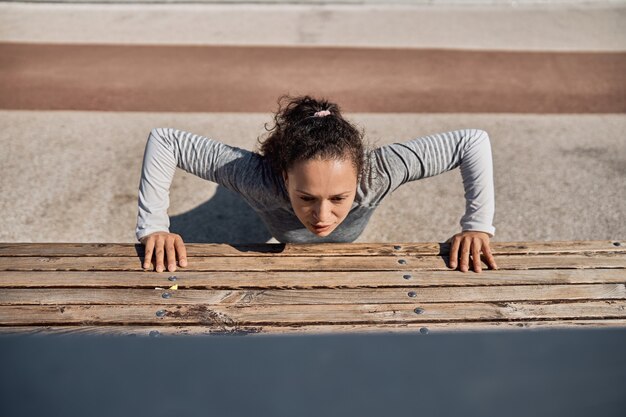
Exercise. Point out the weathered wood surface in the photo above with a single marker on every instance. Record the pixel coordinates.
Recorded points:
(309, 288)
(309, 263)
(308, 249)
(64, 296)
(415, 327)
(304, 279)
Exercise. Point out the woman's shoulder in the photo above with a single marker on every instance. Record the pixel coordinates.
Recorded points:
(374, 183)
(259, 184)
(238, 169)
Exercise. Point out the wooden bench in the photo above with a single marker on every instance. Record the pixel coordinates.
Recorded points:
(309, 288)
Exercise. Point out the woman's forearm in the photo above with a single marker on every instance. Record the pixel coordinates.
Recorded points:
(477, 175)
(157, 173)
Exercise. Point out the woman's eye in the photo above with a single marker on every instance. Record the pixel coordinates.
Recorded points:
(310, 199)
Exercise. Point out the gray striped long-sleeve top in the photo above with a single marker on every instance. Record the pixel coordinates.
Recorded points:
(249, 174)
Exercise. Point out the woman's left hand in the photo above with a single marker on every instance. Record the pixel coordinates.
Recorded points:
(470, 242)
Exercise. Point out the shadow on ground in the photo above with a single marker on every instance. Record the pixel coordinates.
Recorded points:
(225, 218)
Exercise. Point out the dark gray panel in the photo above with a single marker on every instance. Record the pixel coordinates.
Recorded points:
(576, 372)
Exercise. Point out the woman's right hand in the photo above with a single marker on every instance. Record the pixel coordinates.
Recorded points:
(164, 243)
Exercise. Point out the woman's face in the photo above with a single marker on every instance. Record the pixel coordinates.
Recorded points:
(321, 192)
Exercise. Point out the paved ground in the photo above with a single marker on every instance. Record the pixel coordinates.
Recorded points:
(593, 26)
(73, 176)
(555, 115)
(249, 79)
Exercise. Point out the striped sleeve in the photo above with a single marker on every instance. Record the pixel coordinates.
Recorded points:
(434, 154)
(167, 149)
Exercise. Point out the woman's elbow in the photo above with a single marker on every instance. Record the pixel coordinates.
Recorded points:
(481, 135)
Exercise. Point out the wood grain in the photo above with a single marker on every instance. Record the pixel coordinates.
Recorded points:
(424, 328)
(229, 316)
(310, 263)
(305, 279)
(309, 288)
(67, 296)
(308, 249)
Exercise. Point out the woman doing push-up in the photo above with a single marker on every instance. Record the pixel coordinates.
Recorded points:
(313, 180)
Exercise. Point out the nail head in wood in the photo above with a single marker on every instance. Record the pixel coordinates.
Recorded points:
(412, 294)
(407, 276)
(160, 313)
(397, 247)
(419, 310)
(424, 330)
(173, 278)
(617, 243)
(166, 295)
(155, 333)
(401, 261)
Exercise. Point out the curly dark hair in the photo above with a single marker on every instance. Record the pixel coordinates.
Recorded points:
(298, 135)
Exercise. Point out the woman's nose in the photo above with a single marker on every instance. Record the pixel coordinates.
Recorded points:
(322, 212)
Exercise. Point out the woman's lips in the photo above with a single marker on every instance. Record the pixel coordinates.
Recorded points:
(321, 228)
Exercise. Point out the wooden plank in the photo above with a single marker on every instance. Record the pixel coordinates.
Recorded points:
(305, 279)
(307, 249)
(420, 328)
(67, 296)
(233, 316)
(307, 263)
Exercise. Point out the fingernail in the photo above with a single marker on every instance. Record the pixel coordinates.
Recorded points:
(183, 262)
(145, 265)
(171, 267)
(159, 269)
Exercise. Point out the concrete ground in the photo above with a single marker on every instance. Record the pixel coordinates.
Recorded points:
(72, 175)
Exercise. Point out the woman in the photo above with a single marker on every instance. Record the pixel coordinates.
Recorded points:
(313, 180)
